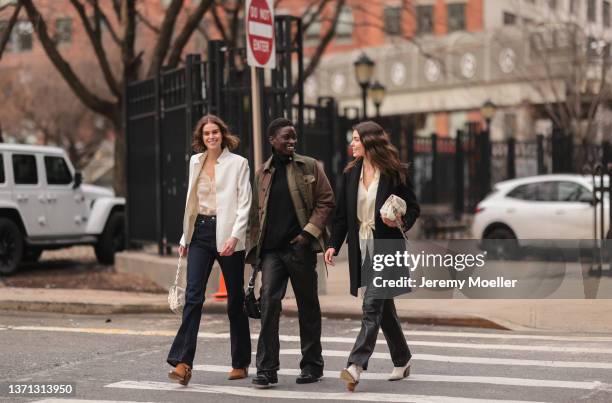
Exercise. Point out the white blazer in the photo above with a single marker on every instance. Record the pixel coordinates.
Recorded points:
(233, 191)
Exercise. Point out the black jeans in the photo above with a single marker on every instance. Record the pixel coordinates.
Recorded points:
(379, 313)
(297, 263)
(201, 256)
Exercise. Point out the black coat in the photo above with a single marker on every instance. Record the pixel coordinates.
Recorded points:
(345, 221)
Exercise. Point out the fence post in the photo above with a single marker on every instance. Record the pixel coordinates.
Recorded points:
(459, 176)
(606, 154)
(485, 163)
(214, 93)
(434, 168)
(158, 166)
(511, 167)
(540, 154)
(410, 149)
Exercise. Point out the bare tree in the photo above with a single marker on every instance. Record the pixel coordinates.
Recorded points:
(120, 18)
(5, 32)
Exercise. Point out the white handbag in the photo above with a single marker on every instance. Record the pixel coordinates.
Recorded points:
(394, 206)
(176, 294)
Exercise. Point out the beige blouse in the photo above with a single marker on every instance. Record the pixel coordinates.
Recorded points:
(366, 205)
(207, 195)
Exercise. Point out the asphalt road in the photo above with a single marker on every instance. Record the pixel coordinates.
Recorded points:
(122, 359)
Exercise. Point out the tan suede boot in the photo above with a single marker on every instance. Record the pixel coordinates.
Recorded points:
(182, 374)
(238, 373)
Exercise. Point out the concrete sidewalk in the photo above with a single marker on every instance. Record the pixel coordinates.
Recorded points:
(576, 315)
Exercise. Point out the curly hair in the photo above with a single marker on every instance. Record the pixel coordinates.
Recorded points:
(229, 140)
(381, 152)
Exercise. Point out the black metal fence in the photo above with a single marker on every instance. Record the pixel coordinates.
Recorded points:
(160, 114)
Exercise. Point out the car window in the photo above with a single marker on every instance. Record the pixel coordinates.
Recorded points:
(572, 192)
(524, 192)
(2, 177)
(539, 191)
(57, 171)
(24, 169)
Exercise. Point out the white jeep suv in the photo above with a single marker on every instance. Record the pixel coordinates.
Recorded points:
(44, 205)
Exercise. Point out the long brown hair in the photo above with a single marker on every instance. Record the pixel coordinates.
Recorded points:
(229, 140)
(382, 153)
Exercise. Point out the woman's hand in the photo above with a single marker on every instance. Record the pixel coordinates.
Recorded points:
(182, 251)
(329, 256)
(391, 223)
(229, 246)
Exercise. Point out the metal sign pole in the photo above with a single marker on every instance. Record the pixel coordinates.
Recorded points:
(256, 113)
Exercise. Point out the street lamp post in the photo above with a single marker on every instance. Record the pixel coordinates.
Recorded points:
(487, 111)
(364, 69)
(377, 93)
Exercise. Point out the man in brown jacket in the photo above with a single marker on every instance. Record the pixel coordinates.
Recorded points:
(293, 201)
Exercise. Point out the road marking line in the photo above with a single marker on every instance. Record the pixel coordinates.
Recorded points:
(285, 394)
(412, 333)
(329, 339)
(472, 360)
(492, 380)
(85, 401)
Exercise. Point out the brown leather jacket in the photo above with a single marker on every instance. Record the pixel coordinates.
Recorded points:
(312, 197)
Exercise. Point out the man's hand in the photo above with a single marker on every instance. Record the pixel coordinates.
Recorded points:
(329, 256)
(301, 240)
(182, 250)
(229, 246)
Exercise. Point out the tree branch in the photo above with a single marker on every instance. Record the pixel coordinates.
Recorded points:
(190, 26)
(327, 37)
(312, 16)
(165, 36)
(147, 23)
(5, 35)
(219, 23)
(130, 61)
(95, 38)
(234, 23)
(106, 21)
(95, 103)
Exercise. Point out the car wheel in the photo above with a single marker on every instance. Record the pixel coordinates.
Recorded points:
(11, 246)
(500, 243)
(31, 254)
(112, 239)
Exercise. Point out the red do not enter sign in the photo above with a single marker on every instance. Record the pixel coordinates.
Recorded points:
(260, 31)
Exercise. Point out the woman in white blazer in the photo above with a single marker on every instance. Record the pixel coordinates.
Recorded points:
(214, 228)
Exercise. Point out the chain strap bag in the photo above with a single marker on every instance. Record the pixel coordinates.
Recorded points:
(395, 206)
(176, 294)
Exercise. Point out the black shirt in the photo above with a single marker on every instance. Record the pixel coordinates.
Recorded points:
(281, 224)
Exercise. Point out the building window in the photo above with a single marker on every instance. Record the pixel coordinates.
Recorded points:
(344, 29)
(572, 7)
(591, 11)
(425, 21)
(456, 17)
(393, 20)
(606, 14)
(63, 30)
(313, 31)
(165, 3)
(509, 19)
(552, 4)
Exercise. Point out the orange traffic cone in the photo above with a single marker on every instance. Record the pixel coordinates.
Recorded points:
(221, 293)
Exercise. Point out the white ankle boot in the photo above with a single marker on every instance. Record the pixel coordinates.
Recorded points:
(400, 372)
(351, 376)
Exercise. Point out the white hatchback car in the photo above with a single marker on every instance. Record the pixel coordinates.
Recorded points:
(559, 206)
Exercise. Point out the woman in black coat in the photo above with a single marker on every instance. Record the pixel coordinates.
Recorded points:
(374, 175)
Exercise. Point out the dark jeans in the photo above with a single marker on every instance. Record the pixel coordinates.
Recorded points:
(297, 263)
(379, 313)
(201, 256)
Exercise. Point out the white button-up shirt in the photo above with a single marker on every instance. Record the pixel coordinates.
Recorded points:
(366, 205)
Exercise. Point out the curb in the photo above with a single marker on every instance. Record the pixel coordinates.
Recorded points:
(220, 308)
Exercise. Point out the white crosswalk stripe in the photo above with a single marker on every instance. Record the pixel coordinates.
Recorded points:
(491, 380)
(472, 360)
(285, 394)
